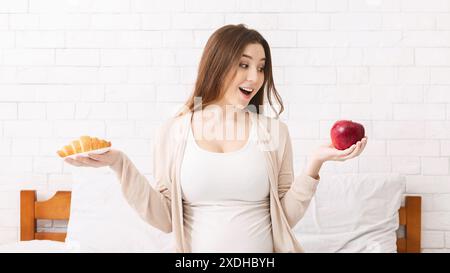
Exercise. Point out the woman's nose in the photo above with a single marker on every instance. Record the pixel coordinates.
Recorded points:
(252, 75)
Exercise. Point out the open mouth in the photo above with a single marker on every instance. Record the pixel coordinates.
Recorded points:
(246, 91)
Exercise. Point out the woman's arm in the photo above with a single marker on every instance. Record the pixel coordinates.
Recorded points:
(327, 152)
(153, 206)
(313, 168)
(295, 193)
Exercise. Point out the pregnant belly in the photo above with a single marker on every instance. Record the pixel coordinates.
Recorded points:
(221, 228)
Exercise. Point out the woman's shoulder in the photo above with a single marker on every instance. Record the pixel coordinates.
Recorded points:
(272, 133)
(172, 127)
(271, 124)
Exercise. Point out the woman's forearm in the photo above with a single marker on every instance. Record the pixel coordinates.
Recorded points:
(313, 168)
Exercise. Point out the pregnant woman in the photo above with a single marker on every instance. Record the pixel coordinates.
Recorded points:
(222, 170)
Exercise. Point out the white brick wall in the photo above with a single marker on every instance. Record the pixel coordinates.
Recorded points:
(117, 69)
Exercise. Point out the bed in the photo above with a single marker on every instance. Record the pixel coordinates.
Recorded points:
(31, 210)
(58, 208)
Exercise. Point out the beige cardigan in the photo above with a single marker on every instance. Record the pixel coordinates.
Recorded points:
(162, 206)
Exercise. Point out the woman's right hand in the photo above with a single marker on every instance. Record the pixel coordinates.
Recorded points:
(96, 160)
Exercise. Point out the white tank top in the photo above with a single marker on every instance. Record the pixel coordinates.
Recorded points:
(226, 199)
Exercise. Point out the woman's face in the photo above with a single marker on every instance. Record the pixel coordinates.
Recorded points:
(248, 79)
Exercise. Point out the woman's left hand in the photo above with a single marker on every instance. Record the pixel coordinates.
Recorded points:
(327, 152)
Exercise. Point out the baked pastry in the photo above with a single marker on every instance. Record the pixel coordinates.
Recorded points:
(82, 145)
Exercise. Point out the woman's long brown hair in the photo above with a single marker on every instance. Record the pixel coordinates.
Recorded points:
(220, 57)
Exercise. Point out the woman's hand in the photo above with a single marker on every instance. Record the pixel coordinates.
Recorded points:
(327, 152)
(96, 160)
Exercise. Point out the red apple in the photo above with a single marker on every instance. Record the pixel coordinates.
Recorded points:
(345, 133)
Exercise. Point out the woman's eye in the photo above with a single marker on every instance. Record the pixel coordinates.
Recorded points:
(261, 69)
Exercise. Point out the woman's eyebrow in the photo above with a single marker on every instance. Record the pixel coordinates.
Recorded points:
(250, 57)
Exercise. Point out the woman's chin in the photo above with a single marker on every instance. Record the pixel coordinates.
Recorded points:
(240, 105)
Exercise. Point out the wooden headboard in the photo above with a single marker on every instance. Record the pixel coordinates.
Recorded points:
(411, 218)
(58, 208)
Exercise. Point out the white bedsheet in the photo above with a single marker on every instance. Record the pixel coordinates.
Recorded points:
(39, 246)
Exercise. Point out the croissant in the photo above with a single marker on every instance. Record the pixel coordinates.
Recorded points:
(83, 144)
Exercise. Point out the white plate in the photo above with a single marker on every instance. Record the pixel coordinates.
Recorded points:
(85, 154)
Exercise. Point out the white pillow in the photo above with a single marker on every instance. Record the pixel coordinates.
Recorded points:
(353, 213)
(102, 221)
